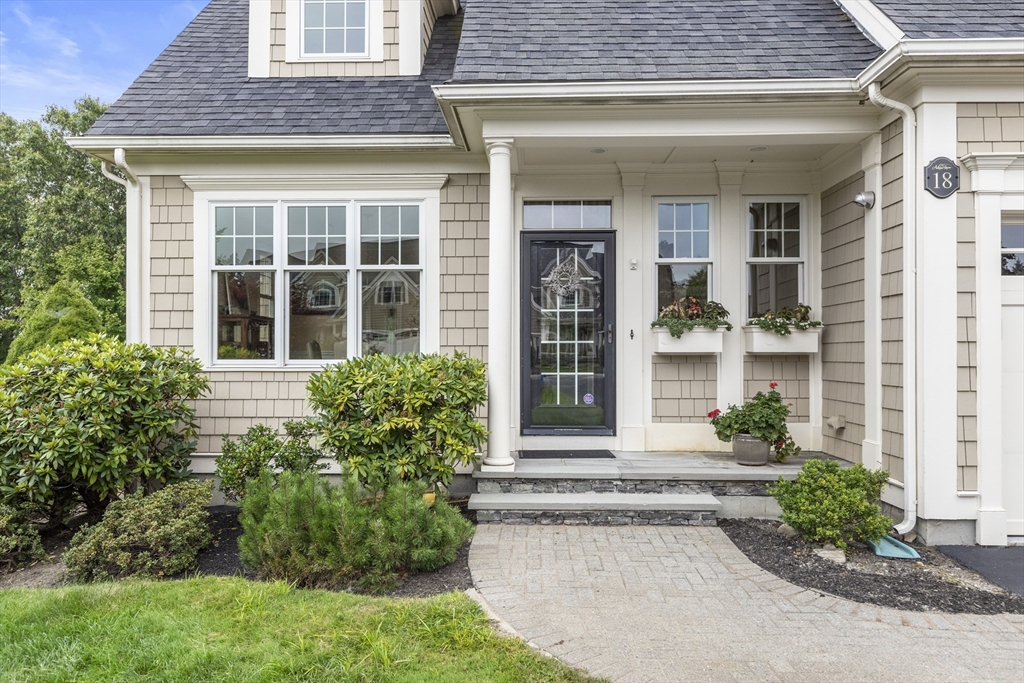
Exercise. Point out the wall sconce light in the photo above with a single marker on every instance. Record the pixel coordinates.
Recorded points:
(865, 199)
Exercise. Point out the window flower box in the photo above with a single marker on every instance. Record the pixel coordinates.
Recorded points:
(695, 342)
(801, 342)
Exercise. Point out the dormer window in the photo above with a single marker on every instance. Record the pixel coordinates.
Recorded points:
(334, 28)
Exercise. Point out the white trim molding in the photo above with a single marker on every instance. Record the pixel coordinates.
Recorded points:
(989, 173)
(100, 144)
(293, 36)
(300, 183)
(873, 22)
(229, 189)
(410, 47)
(259, 38)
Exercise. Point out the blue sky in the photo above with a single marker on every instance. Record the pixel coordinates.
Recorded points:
(55, 51)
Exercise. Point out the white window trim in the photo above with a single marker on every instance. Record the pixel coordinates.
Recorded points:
(352, 192)
(801, 260)
(712, 258)
(293, 52)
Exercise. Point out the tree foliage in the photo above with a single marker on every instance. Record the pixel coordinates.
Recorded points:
(55, 201)
(63, 314)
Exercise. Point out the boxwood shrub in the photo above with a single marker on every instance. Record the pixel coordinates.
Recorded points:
(406, 417)
(147, 536)
(19, 540)
(85, 420)
(829, 504)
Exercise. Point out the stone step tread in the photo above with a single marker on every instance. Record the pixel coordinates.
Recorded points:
(696, 474)
(678, 502)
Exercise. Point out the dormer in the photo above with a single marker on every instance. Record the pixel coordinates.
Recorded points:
(355, 38)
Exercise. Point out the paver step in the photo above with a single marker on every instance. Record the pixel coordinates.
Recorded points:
(595, 509)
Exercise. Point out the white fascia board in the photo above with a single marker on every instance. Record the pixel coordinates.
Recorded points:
(962, 50)
(309, 183)
(259, 142)
(653, 90)
(873, 22)
(259, 38)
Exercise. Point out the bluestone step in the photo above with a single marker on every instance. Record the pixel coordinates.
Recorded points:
(598, 502)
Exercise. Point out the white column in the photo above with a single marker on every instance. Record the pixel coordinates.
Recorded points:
(871, 161)
(499, 313)
(731, 281)
(987, 180)
(634, 363)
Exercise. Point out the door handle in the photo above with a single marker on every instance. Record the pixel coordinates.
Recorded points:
(609, 339)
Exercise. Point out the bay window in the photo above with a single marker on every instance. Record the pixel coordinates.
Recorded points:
(775, 256)
(683, 257)
(288, 289)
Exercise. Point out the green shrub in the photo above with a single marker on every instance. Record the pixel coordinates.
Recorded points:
(82, 421)
(829, 504)
(148, 536)
(762, 417)
(401, 417)
(260, 448)
(63, 314)
(19, 540)
(304, 530)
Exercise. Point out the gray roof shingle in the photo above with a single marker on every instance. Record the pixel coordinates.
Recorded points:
(199, 85)
(575, 40)
(956, 19)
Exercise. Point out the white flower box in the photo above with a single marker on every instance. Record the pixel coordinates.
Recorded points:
(797, 342)
(700, 341)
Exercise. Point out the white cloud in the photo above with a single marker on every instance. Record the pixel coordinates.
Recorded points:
(42, 33)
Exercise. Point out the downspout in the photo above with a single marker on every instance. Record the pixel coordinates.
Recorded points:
(133, 242)
(909, 304)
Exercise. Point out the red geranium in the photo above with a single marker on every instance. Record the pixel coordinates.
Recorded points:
(714, 413)
(773, 384)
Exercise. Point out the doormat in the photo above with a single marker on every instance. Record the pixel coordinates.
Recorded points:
(559, 455)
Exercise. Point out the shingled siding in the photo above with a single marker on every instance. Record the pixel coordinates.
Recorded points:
(432, 9)
(170, 262)
(683, 388)
(791, 373)
(279, 67)
(842, 312)
(892, 299)
(985, 127)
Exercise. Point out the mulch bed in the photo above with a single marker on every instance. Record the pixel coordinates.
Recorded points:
(935, 583)
(221, 558)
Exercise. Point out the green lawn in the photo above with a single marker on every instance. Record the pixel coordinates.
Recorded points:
(220, 629)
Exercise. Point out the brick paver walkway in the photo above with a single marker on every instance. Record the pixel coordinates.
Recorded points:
(684, 604)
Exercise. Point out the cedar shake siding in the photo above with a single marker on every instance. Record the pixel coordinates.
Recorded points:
(842, 312)
(892, 299)
(791, 373)
(984, 127)
(683, 388)
(238, 399)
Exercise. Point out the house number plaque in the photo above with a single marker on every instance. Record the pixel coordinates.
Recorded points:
(942, 177)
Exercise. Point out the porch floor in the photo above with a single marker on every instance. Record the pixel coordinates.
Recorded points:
(668, 466)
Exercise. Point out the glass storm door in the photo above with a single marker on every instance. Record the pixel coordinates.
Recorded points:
(568, 332)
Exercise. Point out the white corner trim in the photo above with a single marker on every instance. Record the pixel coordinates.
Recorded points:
(311, 183)
(100, 143)
(873, 22)
(259, 38)
(410, 50)
(293, 36)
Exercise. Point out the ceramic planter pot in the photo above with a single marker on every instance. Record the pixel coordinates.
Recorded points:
(750, 451)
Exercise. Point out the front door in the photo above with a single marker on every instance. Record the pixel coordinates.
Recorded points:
(568, 333)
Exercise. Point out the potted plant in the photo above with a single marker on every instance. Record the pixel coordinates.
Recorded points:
(756, 427)
(703, 322)
(773, 332)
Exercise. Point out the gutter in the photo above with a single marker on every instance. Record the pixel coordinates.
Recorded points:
(104, 143)
(909, 304)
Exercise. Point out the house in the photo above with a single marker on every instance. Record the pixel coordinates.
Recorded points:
(531, 181)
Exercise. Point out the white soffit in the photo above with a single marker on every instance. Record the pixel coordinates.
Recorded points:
(873, 22)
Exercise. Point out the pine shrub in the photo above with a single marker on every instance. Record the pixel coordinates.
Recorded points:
(19, 540)
(304, 530)
(829, 504)
(63, 314)
(150, 536)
